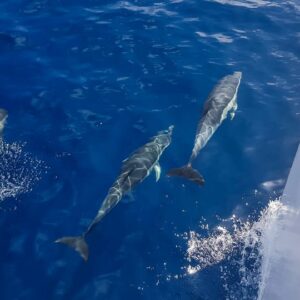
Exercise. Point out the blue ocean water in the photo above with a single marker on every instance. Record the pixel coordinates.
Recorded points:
(86, 83)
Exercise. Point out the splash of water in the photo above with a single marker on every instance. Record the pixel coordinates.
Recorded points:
(242, 244)
(18, 170)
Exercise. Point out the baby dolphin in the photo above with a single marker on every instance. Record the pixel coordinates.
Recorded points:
(134, 170)
(221, 101)
(3, 117)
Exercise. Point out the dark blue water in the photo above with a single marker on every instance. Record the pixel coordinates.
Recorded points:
(87, 82)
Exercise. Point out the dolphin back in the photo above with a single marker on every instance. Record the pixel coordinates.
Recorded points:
(189, 173)
(220, 98)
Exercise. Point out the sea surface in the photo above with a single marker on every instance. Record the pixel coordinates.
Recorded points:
(87, 82)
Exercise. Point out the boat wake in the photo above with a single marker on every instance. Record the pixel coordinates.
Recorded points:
(241, 245)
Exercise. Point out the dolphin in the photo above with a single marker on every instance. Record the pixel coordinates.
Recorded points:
(221, 101)
(3, 117)
(133, 171)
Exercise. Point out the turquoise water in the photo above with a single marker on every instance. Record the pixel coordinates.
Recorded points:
(86, 83)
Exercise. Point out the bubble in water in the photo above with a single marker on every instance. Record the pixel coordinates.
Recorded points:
(18, 170)
(208, 251)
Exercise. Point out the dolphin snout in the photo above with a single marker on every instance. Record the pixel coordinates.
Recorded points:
(171, 128)
(238, 74)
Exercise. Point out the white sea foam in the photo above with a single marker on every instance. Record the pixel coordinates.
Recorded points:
(241, 243)
(18, 170)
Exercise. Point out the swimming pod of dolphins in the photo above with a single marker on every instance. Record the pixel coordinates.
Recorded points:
(138, 166)
(221, 101)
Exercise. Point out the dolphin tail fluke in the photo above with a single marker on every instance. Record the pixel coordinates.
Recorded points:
(189, 173)
(78, 243)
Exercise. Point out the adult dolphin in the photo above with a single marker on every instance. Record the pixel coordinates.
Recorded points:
(221, 101)
(134, 170)
(3, 117)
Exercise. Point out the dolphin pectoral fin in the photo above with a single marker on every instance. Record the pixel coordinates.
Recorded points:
(157, 170)
(232, 114)
(189, 173)
(233, 110)
(78, 243)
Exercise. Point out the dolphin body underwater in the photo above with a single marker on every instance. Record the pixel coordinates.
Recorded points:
(134, 170)
(221, 101)
(3, 117)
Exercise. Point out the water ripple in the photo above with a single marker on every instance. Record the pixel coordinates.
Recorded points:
(246, 3)
(153, 10)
